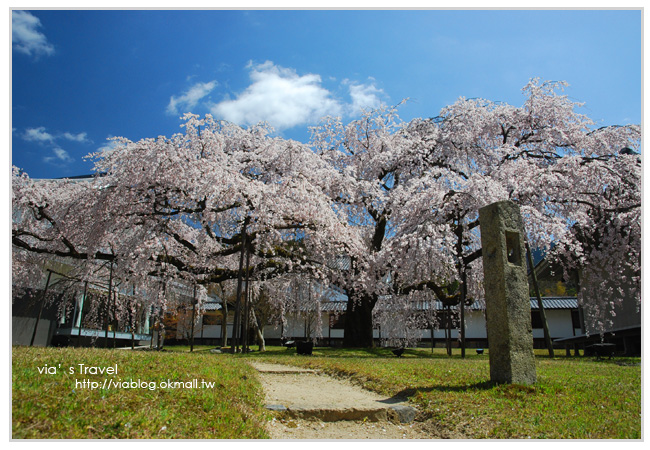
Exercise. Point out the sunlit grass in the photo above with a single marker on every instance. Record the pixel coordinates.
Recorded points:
(580, 397)
(52, 406)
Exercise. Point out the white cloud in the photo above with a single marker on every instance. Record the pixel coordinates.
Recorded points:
(38, 135)
(60, 157)
(110, 145)
(190, 98)
(364, 97)
(279, 96)
(80, 137)
(25, 36)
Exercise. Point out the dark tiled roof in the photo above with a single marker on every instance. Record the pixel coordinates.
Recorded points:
(556, 303)
(549, 303)
(211, 306)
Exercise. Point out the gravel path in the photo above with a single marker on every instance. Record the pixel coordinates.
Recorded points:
(317, 406)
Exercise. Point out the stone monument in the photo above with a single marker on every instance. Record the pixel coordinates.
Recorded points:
(507, 302)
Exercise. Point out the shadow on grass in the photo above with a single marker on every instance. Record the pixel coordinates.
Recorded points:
(505, 390)
(405, 394)
(480, 386)
(349, 353)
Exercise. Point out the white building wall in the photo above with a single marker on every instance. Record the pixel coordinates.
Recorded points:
(214, 332)
(337, 334)
(295, 327)
(475, 325)
(272, 332)
(209, 332)
(560, 325)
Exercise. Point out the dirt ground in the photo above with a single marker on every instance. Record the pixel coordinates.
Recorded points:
(345, 429)
(300, 389)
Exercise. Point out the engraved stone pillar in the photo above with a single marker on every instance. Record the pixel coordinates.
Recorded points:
(507, 302)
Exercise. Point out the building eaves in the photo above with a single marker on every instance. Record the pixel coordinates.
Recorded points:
(478, 305)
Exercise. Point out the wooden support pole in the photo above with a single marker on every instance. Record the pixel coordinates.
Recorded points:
(108, 303)
(133, 317)
(193, 318)
(81, 311)
(463, 298)
(246, 318)
(115, 296)
(40, 309)
(224, 319)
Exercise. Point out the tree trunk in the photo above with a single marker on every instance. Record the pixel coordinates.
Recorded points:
(542, 312)
(358, 316)
(235, 340)
(260, 339)
(358, 322)
(259, 330)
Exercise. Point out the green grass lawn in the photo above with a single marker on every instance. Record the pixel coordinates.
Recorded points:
(580, 397)
(52, 406)
(574, 397)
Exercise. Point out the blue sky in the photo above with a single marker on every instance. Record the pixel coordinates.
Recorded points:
(80, 77)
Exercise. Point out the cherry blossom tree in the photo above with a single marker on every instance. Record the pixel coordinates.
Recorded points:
(413, 191)
(572, 182)
(380, 207)
(184, 208)
(371, 159)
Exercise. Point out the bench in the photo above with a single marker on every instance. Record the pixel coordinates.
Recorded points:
(305, 348)
(601, 350)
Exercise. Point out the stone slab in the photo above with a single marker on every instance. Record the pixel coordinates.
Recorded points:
(279, 368)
